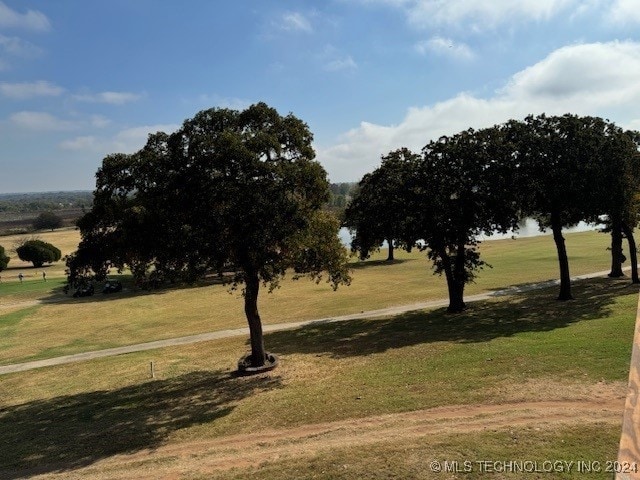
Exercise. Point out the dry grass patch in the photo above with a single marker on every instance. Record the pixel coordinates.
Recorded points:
(66, 239)
(539, 389)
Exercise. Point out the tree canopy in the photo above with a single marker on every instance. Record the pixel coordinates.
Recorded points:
(230, 191)
(571, 168)
(378, 210)
(4, 259)
(615, 192)
(38, 252)
(559, 170)
(47, 221)
(465, 188)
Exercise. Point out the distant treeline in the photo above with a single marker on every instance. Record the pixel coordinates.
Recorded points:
(44, 201)
(341, 193)
(55, 201)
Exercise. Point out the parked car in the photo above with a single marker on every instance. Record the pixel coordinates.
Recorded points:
(84, 291)
(112, 286)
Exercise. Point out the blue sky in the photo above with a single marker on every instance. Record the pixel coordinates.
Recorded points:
(81, 79)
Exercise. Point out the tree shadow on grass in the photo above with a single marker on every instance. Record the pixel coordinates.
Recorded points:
(534, 311)
(66, 433)
(359, 265)
(129, 290)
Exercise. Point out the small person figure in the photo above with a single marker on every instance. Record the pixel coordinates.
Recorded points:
(20, 277)
(44, 275)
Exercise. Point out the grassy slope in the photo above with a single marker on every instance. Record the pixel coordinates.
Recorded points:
(75, 325)
(411, 460)
(514, 348)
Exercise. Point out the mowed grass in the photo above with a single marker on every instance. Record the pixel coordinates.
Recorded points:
(488, 455)
(524, 347)
(34, 287)
(64, 325)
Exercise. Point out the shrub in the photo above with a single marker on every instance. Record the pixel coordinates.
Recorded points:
(38, 252)
(4, 260)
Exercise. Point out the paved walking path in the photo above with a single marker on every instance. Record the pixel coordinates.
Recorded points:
(204, 337)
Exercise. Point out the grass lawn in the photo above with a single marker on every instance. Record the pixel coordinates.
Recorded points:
(86, 418)
(411, 460)
(33, 287)
(66, 239)
(69, 325)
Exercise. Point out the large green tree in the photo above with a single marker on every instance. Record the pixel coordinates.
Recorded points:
(47, 221)
(465, 187)
(38, 252)
(4, 259)
(632, 210)
(378, 210)
(230, 191)
(615, 193)
(558, 158)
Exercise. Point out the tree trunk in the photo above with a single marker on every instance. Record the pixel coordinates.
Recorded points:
(455, 287)
(633, 252)
(563, 260)
(616, 248)
(456, 297)
(390, 255)
(252, 286)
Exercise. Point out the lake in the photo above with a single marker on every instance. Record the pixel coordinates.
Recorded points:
(529, 229)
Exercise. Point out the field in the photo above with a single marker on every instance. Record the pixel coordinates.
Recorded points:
(19, 210)
(53, 328)
(12, 223)
(516, 377)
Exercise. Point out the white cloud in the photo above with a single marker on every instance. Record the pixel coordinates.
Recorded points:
(589, 79)
(392, 3)
(596, 74)
(112, 98)
(43, 121)
(634, 124)
(474, 15)
(333, 60)
(625, 12)
(17, 47)
(589, 7)
(40, 121)
(210, 101)
(129, 140)
(479, 15)
(31, 20)
(132, 139)
(295, 22)
(342, 63)
(30, 89)
(99, 121)
(445, 47)
(87, 143)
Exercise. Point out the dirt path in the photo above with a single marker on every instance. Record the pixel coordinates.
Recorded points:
(207, 457)
(204, 337)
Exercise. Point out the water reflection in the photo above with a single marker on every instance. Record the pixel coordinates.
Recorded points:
(528, 229)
